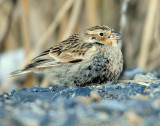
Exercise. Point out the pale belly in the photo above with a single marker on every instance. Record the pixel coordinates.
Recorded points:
(98, 69)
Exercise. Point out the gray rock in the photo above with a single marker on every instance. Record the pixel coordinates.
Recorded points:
(129, 103)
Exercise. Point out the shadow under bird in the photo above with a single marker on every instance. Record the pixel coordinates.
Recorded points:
(86, 58)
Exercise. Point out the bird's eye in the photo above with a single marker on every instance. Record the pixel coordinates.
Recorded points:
(101, 34)
(93, 37)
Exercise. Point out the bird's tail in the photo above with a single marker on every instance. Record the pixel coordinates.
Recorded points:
(19, 72)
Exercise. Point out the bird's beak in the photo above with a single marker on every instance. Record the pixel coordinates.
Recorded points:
(115, 35)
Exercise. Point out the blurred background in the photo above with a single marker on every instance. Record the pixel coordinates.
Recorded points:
(28, 27)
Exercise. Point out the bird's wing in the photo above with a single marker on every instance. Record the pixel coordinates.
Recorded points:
(66, 52)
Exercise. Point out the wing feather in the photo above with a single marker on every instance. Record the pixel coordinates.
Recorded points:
(68, 51)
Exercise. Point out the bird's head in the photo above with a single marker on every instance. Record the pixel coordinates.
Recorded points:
(102, 35)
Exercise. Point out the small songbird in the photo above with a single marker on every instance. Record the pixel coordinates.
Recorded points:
(86, 58)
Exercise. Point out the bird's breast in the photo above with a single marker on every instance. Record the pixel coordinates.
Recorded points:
(115, 64)
(110, 58)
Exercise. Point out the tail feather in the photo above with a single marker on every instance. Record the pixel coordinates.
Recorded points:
(19, 72)
(37, 65)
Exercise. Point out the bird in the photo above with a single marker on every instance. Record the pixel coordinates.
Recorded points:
(90, 57)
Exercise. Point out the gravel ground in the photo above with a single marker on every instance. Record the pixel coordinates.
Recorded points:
(113, 104)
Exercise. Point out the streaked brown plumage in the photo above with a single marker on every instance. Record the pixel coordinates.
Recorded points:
(92, 56)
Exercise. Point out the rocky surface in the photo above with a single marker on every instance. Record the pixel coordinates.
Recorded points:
(114, 103)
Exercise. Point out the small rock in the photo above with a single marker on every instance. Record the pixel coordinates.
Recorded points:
(83, 100)
(94, 96)
(148, 76)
